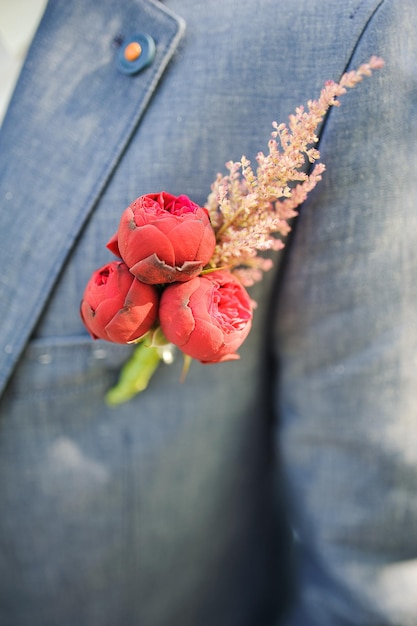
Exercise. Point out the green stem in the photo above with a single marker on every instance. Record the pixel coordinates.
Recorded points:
(135, 375)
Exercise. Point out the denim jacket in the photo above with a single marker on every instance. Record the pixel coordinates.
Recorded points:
(180, 507)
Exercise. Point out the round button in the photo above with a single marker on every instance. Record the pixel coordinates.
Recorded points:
(133, 51)
(136, 53)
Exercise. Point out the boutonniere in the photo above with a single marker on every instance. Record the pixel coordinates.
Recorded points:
(182, 271)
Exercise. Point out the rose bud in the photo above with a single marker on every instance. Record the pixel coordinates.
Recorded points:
(116, 306)
(164, 238)
(207, 317)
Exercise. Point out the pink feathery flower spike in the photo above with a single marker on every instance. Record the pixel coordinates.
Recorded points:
(249, 209)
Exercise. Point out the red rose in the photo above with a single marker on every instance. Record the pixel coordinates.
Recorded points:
(116, 306)
(207, 317)
(164, 238)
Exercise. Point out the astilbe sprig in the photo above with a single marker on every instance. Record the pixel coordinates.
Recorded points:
(250, 210)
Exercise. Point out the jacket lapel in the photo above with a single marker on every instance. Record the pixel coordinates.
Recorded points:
(60, 143)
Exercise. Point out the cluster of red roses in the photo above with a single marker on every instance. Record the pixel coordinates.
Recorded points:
(164, 242)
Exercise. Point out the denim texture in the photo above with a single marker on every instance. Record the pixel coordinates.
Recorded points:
(170, 509)
(346, 339)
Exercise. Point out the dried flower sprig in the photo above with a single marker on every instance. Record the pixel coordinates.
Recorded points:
(249, 211)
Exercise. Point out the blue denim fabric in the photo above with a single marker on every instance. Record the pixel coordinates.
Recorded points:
(168, 510)
(346, 340)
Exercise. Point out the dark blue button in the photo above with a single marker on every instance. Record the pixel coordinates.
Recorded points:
(136, 53)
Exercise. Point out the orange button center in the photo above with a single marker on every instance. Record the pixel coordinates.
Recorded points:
(133, 51)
